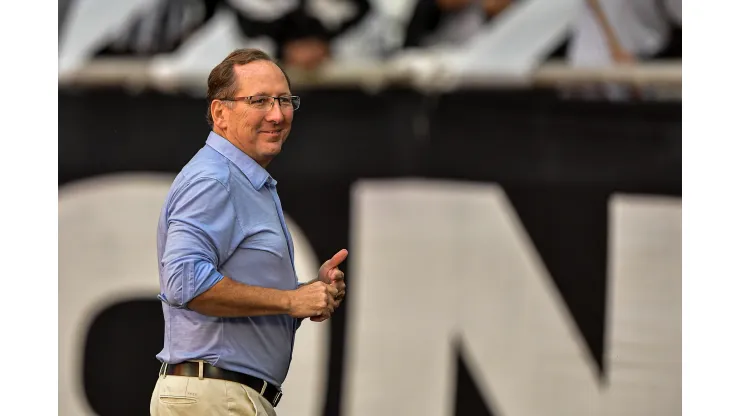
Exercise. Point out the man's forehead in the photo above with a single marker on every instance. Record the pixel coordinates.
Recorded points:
(260, 74)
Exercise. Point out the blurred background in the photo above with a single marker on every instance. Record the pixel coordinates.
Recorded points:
(506, 175)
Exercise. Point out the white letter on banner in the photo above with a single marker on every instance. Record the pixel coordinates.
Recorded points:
(434, 261)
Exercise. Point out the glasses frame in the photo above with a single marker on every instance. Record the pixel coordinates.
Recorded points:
(294, 100)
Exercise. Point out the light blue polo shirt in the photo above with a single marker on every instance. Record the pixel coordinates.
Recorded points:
(222, 217)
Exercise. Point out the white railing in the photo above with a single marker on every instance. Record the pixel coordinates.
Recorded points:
(140, 74)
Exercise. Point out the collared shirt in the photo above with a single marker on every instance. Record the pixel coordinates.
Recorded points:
(222, 217)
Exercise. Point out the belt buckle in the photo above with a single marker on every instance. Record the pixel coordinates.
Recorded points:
(277, 398)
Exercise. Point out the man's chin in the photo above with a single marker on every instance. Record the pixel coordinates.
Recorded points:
(272, 149)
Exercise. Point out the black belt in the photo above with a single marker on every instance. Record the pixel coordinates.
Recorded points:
(190, 369)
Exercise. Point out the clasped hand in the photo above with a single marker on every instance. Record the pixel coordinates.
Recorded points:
(319, 299)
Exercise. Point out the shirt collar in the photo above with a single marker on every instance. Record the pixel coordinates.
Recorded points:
(256, 174)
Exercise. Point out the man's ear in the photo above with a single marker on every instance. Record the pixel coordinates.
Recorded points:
(220, 113)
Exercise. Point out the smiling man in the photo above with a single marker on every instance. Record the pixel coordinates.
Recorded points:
(229, 291)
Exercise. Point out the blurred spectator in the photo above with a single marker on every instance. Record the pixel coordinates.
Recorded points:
(301, 29)
(449, 22)
(623, 31)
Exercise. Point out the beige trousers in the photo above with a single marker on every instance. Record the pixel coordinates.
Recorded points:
(192, 396)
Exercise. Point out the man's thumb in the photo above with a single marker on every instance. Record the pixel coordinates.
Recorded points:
(337, 259)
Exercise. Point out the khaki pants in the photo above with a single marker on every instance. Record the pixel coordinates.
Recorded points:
(192, 396)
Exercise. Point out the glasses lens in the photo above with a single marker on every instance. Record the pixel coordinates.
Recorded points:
(260, 102)
(285, 102)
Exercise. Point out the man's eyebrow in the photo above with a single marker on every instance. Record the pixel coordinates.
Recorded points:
(282, 94)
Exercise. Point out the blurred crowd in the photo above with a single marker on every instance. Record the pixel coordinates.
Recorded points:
(305, 33)
(512, 36)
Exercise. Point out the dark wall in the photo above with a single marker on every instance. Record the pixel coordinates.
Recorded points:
(558, 161)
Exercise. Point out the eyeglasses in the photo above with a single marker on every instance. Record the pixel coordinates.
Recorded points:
(266, 102)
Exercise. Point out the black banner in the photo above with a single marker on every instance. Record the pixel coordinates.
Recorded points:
(558, 161)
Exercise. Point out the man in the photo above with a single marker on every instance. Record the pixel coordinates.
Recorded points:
(231, 298)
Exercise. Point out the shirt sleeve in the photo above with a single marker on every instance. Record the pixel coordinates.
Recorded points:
(200, 227)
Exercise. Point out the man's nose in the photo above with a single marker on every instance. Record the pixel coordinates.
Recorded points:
(275, 113)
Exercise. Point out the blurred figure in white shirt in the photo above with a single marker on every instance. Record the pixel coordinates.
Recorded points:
(622, 32)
